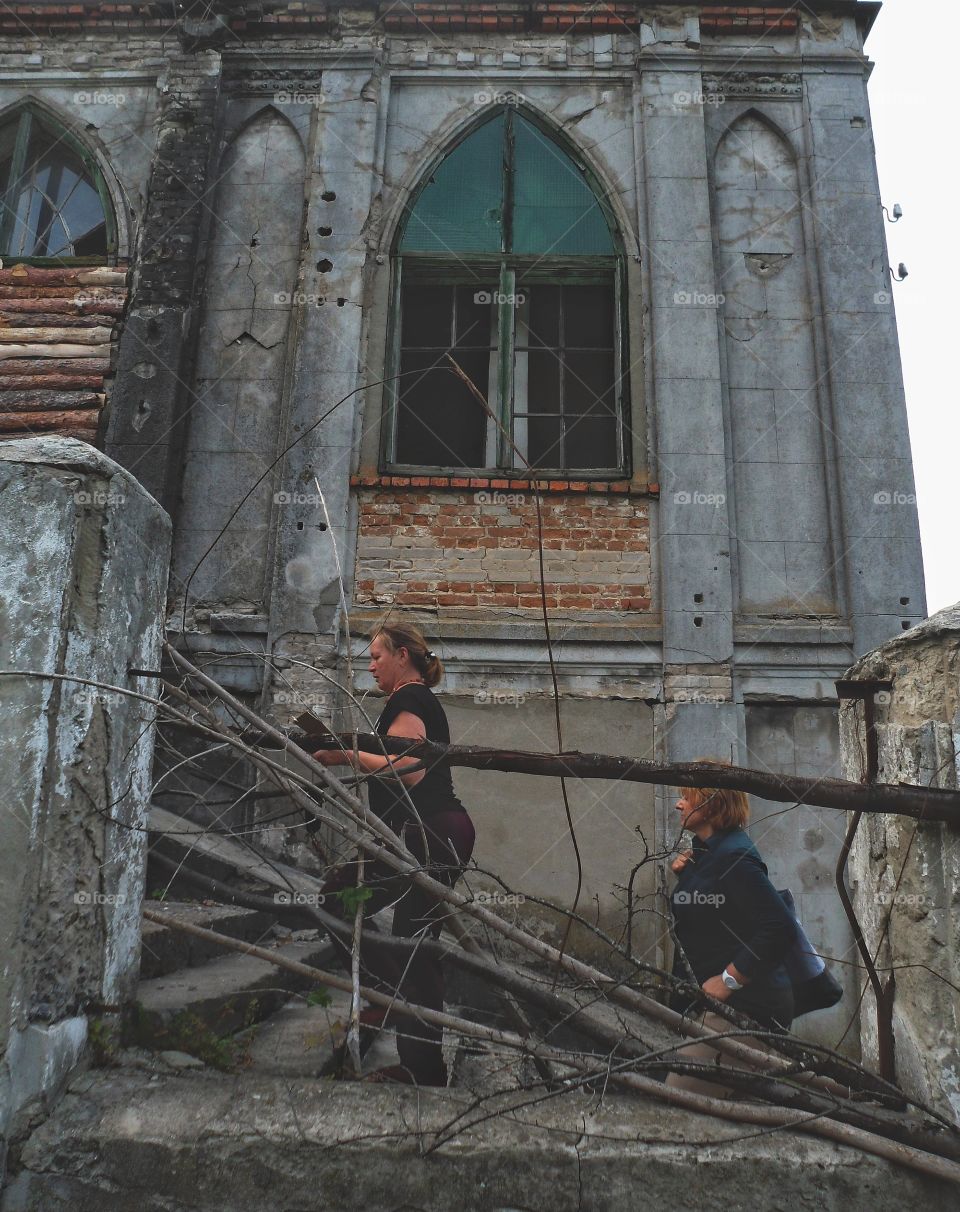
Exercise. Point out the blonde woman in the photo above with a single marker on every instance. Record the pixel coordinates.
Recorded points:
(405, 669)
(730, 921)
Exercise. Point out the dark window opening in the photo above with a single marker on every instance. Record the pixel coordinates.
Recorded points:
(54, 202)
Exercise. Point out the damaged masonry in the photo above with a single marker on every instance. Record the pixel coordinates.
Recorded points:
(563, 333)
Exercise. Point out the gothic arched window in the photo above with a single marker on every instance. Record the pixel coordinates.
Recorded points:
(54, 200)
(508, 260)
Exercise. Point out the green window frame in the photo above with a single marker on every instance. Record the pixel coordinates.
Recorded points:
(54, 196)
(509, 259)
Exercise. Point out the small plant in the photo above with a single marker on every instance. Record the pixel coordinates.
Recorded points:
(185, 1032)
(318, 997)
(103, 1036)
(350, 898)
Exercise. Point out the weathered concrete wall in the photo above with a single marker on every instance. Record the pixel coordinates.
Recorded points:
(905, 877)
(522, 831)
(83, 565)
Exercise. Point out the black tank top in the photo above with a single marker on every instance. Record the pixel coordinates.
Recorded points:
(434, 792)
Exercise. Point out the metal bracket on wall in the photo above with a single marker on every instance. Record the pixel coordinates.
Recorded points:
(865, 691)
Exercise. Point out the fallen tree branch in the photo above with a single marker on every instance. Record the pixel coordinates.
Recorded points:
(900, 799)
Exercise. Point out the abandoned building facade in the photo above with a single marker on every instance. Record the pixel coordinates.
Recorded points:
(242, 244)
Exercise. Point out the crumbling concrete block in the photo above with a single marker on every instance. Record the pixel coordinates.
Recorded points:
(84, 554)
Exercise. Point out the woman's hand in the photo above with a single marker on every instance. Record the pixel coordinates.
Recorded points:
(332, 757)
(715, 987)
(682, 859)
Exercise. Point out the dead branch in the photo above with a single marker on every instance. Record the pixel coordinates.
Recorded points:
(920, 803)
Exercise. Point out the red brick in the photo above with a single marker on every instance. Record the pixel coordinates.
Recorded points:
(457, 599)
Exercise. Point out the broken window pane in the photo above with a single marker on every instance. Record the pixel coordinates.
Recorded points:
(459, 208)
(591, 443)
(439, 422)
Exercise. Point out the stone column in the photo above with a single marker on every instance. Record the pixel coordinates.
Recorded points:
(693, 553)
(84, 554)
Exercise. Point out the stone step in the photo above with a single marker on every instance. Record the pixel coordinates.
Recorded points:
(189, 1009)
(305, 1041)
(165, 951)
(201, 1141)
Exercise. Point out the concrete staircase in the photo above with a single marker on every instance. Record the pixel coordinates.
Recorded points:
(236, 1012)
(229, 1110)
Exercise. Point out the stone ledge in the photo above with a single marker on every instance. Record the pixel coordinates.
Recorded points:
(205, 1142)
(452, 483)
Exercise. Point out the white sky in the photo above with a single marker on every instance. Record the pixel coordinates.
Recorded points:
(913, 99)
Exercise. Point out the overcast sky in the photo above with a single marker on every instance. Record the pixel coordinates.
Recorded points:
(913, 99)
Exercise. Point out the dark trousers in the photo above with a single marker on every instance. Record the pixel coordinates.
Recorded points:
(416, 914)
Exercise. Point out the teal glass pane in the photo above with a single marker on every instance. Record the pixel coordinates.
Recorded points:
(459, 209)
(555, 211)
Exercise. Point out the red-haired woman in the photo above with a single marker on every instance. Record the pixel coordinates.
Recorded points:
(404, 668)
(730, 921)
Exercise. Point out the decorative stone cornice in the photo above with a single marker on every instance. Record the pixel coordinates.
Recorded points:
(754, 84)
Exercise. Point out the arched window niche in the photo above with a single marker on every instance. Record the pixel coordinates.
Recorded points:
(508, 259)
(55, 203)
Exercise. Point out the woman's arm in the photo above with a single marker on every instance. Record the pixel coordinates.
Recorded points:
(406, 725)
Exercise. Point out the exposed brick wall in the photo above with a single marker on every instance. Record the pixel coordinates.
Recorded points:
(750, 19)
(512, 17)
(58, 330)
(472, 550)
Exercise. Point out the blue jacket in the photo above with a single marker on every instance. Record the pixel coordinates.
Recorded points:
(726, 911)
